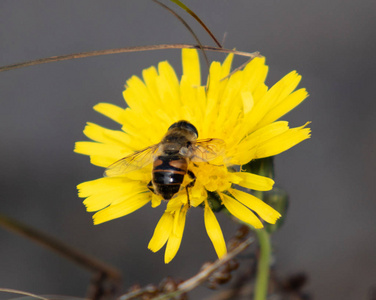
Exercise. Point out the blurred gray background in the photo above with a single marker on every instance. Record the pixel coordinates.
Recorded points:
(330, 232)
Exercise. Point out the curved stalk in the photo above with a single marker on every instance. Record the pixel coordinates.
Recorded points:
(262, 277)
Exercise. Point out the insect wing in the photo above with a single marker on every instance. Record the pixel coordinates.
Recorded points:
(208, 149)
(132, 162)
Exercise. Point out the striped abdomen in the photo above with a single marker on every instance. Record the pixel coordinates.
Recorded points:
(168, 174)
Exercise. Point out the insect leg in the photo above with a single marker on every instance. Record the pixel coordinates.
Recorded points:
(150, 187)
(191, 184)
(189, 201)
(193, 177)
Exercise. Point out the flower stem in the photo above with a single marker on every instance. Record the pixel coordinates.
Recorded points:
(262, 277)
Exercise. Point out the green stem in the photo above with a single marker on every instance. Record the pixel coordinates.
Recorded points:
(262, 277)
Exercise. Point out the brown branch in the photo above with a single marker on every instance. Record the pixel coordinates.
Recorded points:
(188, 28)
(237, 69)
(122, 50)
(188, 10)
(49, 242)
(196, 280)
(12, 291)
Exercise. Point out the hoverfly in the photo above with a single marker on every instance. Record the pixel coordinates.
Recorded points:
(170, 159)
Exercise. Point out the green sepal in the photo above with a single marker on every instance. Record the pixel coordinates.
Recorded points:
(262, 166)
(278, 199)
(215, 201)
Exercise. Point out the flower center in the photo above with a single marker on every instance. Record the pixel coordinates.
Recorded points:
(212, 177)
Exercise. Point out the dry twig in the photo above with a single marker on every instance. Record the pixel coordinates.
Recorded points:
(123, 50)
(88, 262)
(196, 280)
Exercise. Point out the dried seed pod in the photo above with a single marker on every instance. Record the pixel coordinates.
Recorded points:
(168, 285)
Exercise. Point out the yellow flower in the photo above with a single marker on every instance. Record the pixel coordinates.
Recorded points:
(238, 109)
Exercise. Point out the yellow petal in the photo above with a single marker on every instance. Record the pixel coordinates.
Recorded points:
(101, 161)
(214, 232)
(248, 102)
(254, 77)
(191, 66)
(168, 89)
(197, 194)
(100, 185)
(241, 156)
(143, 134)
(283, 142)
(289, 103)
(121, 209)
(241, 212)
(103, 135)
(274, 96)
(176, 235)
(265, 211)
(226, 66)
(155, 200)
(246, 150)
(150, 76)
(139, 99)
(266, 133)
(116, 195)
(93, 148)
(111, 111)
(175, 203)
(231, 104)
(167, 72)
(254, 181)
(286, 86)
(161, 232)
(211, 110)
(105, 191)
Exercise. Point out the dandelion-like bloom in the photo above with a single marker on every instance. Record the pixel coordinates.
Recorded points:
(238, 109)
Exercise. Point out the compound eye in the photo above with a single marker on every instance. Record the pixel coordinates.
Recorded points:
(185, 125)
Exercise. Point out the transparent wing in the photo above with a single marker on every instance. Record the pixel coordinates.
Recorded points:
(132, 162)
(208, 149)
